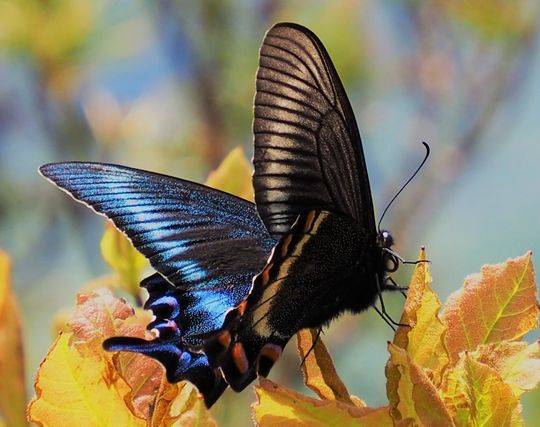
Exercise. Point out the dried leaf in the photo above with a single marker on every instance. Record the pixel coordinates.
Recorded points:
(411, 392)
(278, 405)
(497, 304)
(12, 391)
(233, 175)
(424, 337)
(77, 390)
(318, 369)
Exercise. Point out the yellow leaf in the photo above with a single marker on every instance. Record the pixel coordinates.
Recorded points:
(278, 405)
(491, 401)
(123, 258)
(497, 304)
(318, 369)
(76, 390)
(187, 408)
(518, 363)
(424, 337)
(100, 315)
(453, 392)
(12, 391)
(233, 175)
(411, 392)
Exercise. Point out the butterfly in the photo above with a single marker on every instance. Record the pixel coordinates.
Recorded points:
(235, 280)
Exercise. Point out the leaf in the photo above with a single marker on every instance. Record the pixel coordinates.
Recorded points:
(424, 337)
(186, 408)
(491, 400)
(278, 405)
(411, 392)
(135, 384)
(233, 175)
(517, 363)
(12, 391)
(100, 315)
(123, 258)
(454, 396)
(497, 304)
(76, 390)
(318, 369)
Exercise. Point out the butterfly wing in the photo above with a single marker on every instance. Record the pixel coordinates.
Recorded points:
(206, 246)
(308, 151)
(193, 235)
(315, 271)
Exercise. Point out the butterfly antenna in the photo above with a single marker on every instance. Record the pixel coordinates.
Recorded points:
(428, 150)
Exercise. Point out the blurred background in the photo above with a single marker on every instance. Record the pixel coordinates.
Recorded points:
(168, 86)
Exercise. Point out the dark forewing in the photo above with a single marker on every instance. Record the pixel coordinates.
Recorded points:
(308, 152)
(197, 237)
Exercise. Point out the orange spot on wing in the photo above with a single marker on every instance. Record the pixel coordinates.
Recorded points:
(241, 308)
(240, 359)
(224, 339)
(271, 351)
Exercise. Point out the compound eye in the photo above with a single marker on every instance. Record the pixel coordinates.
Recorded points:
(387, 239)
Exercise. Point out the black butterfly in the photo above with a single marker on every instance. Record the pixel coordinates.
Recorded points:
(235, 281)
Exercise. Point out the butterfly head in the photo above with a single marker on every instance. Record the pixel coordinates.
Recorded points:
(390, 260)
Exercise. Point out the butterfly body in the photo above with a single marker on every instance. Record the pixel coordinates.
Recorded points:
(321, 268)
(235, 280)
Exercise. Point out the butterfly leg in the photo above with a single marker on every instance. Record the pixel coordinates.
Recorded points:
(319, 332)
(395, 287)
(382, 312)
(401, 260)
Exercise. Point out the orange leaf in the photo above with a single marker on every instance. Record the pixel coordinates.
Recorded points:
(318, 369)
(278, 405)
(100, 315)
(233, 175)
(518, 363)
(12, 391)
(424, 338)
(491, 401)
(411, 392)
(497, 304)
(76, 390)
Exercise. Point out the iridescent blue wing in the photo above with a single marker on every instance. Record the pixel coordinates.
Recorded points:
(179, 313)
(308, 151)
(205, 244)
(193, 235)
